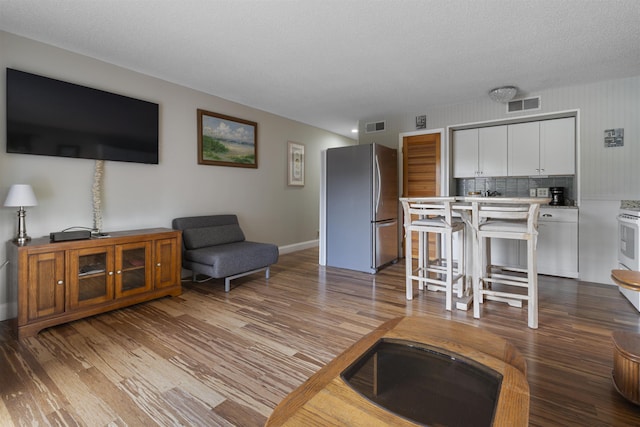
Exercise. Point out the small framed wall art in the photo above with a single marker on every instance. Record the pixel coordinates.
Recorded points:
(295, 162)
(227, 141)
(614, 137)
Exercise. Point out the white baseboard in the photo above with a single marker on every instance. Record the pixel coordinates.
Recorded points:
(297, 247)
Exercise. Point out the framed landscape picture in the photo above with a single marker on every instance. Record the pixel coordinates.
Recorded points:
(295, 156)
(226, 141)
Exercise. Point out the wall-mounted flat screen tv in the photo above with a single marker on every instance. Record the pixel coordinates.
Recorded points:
(55, 118)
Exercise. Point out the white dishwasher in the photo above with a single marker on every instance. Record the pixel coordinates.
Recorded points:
(558, 242)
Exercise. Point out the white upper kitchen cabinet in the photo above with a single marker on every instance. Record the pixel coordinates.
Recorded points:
(480, 152)
(558, 146)
(524, 149)
(542, 148)
(465, 153)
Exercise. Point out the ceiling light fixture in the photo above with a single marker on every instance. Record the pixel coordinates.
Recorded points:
(503, 94)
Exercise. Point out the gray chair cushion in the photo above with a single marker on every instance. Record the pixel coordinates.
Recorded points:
(195, 238)
(203, 221)
(215, 245)
(233, 258)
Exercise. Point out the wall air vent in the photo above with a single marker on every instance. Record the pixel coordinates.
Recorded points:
(523, 104)
(373, 127)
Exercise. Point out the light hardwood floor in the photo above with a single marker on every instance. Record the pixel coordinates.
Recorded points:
(208, 358)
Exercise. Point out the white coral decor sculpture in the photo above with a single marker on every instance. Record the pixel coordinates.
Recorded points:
(97, 196)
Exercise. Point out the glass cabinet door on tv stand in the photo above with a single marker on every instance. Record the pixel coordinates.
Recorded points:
(91, 276)
(133, 268)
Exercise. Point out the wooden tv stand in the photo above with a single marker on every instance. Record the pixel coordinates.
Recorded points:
(64, 281)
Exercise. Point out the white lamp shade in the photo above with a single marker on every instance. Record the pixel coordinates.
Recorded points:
(21, 195)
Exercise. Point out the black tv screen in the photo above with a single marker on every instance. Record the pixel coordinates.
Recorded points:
(55, 118)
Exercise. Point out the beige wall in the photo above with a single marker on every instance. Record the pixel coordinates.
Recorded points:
(141, 196)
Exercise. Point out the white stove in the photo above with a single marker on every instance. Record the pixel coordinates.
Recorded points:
(629, 244)
(629, 213)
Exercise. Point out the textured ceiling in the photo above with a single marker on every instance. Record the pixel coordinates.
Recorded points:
(330, 63)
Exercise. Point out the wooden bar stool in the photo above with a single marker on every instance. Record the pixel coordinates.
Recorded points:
(626, 351)
(427, 215)
(495, 219)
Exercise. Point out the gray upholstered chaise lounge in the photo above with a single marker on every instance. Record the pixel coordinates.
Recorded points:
(214, 245)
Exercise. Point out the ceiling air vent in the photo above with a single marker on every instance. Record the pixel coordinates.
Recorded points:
(372, 127)
(523, 104)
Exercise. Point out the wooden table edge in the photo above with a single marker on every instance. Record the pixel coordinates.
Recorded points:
(513, 402)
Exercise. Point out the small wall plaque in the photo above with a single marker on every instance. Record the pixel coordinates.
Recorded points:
(421, 122)
(614, 137)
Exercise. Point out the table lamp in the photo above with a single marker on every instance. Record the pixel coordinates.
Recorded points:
(21, 195)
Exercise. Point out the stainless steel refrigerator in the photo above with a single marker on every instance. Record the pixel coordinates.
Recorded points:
(361, 207)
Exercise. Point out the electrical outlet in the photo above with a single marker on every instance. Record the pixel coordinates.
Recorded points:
(543, 192)
(532, 192)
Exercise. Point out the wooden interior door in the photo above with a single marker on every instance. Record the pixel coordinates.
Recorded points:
(421, 174)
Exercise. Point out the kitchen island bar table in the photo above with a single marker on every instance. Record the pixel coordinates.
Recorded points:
(495, 217)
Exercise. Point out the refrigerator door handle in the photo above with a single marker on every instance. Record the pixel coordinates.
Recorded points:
(378, 185)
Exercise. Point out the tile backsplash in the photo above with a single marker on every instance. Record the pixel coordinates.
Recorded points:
(516, 186)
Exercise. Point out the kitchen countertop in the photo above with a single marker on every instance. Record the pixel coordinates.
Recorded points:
(544, 201)
(630, 204)
(558, 207)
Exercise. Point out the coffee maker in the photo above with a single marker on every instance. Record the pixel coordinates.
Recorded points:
(557, 196)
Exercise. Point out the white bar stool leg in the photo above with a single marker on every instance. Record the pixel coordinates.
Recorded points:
(461, 260)
(477, 276)
(423, 246)
(449, 281)
(532, 276)
(408, 259)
